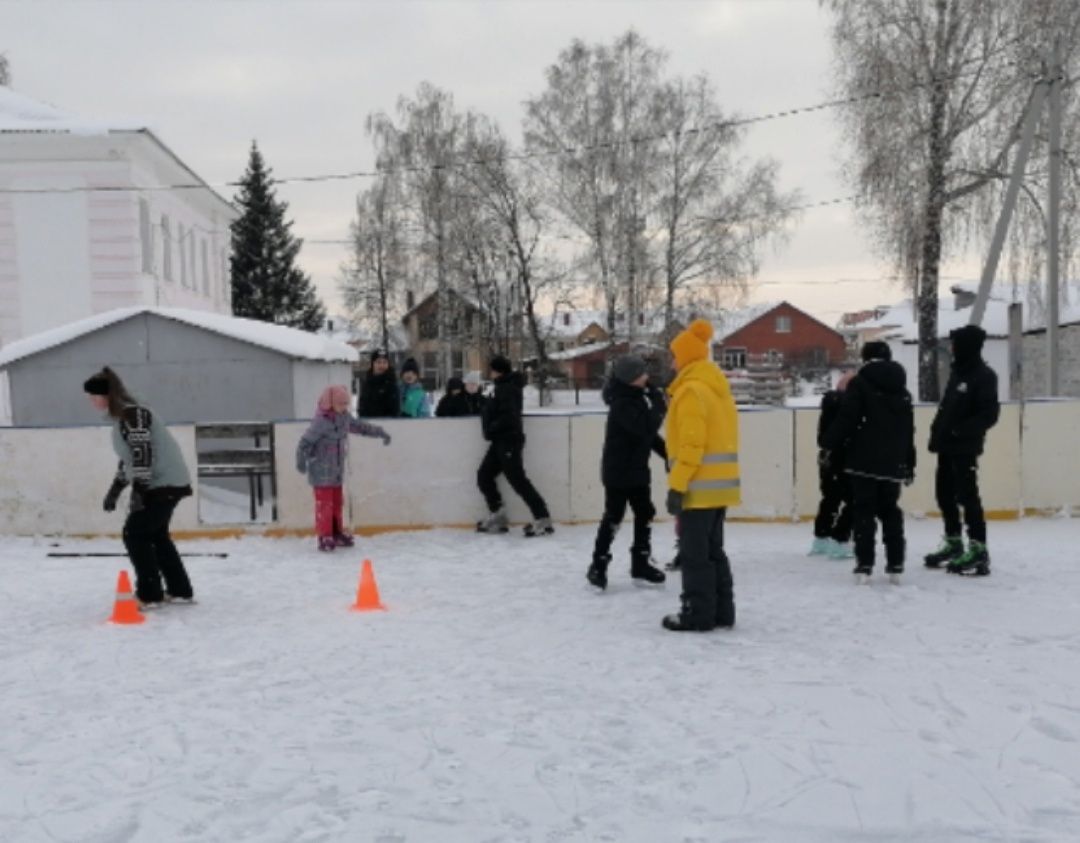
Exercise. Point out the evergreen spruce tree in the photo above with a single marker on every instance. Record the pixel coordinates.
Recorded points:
(266, 285)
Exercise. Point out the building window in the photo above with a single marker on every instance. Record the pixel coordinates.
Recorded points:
(774, 357)
(641, 318)
(191, 259)
(783, 324)
(146, 236)
(431, 363)
(205, 268)
(733, 358)
(457, 363)
(566, 319)
(429, 328)
(180, 235)
(166, 249)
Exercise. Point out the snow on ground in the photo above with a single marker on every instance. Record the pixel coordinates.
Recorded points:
(500, 700)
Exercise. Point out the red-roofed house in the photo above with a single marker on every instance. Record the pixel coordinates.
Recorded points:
(783, 336)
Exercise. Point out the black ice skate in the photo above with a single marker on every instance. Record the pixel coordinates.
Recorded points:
(642, 571)
(952, 547)
(597, 573)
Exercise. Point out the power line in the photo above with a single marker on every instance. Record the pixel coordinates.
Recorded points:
(520, 156)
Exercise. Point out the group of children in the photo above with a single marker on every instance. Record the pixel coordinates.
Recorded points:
(866, 437)
(866, 434)
(383, 396)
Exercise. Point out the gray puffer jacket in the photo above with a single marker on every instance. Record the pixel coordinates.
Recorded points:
(323, 448)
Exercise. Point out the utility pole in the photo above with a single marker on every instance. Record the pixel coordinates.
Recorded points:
(1053, 222)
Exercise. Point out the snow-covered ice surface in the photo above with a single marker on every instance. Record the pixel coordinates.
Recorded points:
(500, 700)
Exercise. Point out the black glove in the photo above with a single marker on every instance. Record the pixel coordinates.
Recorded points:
(674, 502)
(824, 459)
(385, 438)
(112, 496)
(909, 475)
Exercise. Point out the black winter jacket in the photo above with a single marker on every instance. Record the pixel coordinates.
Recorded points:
(830, 409)
(501, 414)
(967, 410)
(877, 421)
(634, 419)
(379, 398)
(456, 405)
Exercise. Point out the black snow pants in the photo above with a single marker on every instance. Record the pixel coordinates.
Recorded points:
(615, 500)
(153, 554)
(834, 513)
(708, 595)
(957, 486)
(878, 500)
(505, 458)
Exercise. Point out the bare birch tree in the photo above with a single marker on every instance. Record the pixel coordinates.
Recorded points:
(372, 280)
(940, 88)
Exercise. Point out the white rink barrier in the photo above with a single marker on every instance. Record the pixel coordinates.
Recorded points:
(52, 480)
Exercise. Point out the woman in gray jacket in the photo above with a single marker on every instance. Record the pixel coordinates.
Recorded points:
(151, 463)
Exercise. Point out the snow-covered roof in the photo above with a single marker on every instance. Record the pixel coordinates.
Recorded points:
(580, 351)
(20, 113)
(289, 341)
(730, 321)
(570, 323)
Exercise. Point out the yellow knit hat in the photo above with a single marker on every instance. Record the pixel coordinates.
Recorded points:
(692, 344)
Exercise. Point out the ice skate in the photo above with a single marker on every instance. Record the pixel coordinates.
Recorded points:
(643, 571)
(326, 544)
(496, 522)
(179, 601)
(597, 573)
(841, 550)
(894, 572)
(820, 547)
(539, 527)
(862, 574)
(952, 547)
(974, 562)
(344, 540)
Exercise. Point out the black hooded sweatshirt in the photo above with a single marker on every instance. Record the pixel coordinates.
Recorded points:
(456, 401)
(970, 405)
(830, 409)
(633, 423)
(379, 396)
(877, 422)
(501, 415)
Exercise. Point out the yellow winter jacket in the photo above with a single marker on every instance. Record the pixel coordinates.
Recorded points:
(703, 437)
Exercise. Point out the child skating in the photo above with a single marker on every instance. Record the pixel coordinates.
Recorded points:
(321, 455)
(832, 526)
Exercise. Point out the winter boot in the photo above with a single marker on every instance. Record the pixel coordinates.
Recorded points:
(682, 622)
(643, 571)
(952, 547)
(841, 550)
(974, 562)
(344, 540)
(327, 543)
(820, 547)
(496, 522)
(862, 573)
(597, 573)
(539, 527)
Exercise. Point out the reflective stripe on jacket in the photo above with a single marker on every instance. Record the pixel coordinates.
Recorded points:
(703, 438)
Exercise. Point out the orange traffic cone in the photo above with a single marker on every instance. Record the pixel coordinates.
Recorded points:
(125, 609)
(367, 596)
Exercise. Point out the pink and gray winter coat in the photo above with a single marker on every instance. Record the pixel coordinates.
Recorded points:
(322, 450)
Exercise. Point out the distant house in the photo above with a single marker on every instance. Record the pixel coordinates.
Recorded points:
(465, 329)
(782, 336)
(570, 329)
(190, 366)
(587, 367)
(68, 251)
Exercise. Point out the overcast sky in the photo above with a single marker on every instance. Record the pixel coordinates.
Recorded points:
(300, 77)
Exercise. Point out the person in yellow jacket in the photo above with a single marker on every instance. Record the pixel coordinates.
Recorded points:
(703, 481)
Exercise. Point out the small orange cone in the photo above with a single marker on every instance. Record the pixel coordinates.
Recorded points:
(125, 609)
(367, 596)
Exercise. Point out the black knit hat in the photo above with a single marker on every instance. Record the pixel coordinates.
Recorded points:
(379, 354)
(501, 365)
(411, 365)
(96, 385)
(628, 368)
(876, 350)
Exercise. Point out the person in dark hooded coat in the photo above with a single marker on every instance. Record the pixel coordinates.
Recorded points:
(876, 420)
(636, 412)
(456, 401)
(968, 409)
(500, 420)
(379, 396)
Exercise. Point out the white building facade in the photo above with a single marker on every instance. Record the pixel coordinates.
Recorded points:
(68, 251)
